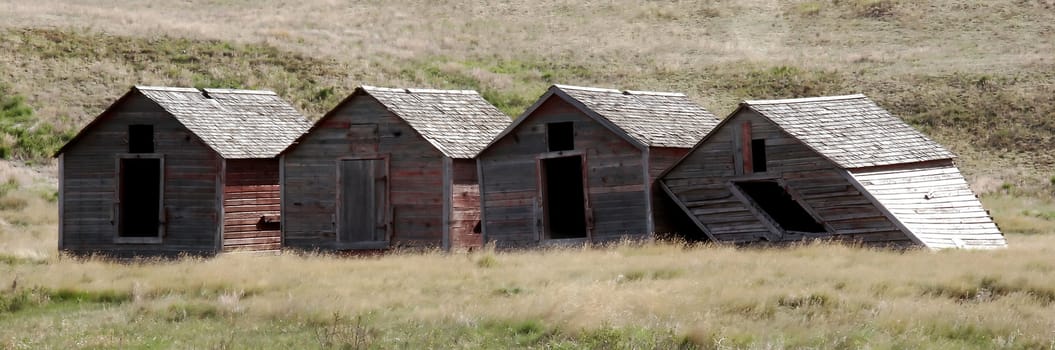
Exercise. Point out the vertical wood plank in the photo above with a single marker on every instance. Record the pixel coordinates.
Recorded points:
(448, 180)
(745, 147)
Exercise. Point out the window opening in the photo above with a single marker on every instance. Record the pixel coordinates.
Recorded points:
(758, 155)
(140, 197)
(560, 136)
(140, 139)
(563, 198)
(778, 204)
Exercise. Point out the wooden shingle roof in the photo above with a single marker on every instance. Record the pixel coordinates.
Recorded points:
(236, 124)
(655, 119)
(852, 131)
(459, 123)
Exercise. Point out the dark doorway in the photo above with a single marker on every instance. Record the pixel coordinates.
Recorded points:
(364, 201)
(563, 199)
(778, 204)
(140, 197)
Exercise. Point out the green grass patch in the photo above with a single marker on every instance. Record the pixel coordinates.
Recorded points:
(22, 134)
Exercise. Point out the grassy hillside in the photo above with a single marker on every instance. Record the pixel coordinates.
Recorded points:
(977, 76)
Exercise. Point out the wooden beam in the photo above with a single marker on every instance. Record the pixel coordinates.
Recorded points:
(650, 222)
(282, 200)
(62, 200)
(745, 148)
(448, 179)
(482, 205)
(221, 186)
(688, 212)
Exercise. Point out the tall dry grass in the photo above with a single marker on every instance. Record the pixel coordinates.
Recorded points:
(813, 295)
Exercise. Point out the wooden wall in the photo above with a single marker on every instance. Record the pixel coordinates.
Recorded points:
(509, 187)
(702, 184)
(465, 207)
(670, 220)
(191, 179)
(309, 209)
(251, 205)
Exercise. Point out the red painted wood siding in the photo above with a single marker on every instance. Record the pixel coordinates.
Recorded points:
(251, 192)
(465, 205)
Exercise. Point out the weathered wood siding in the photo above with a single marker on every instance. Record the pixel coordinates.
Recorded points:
(669, 219)
(191, 180)
(702, 184)
(509, 187)
(251, 205)
(934, 202)
(465, 206)
(311, 184)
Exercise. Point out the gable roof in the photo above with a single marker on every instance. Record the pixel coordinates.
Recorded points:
(459, 123)
(852, 131)
(653, 119)
(236, 124)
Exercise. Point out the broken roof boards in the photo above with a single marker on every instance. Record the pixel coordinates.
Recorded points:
(835, 167)
(389, 167)
(579, 165)
(167, 171)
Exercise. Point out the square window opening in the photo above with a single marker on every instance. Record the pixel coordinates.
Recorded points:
(140, 139)
(758, 155)
(780, 207)
(560, 136)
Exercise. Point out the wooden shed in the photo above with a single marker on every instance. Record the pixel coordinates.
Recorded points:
(387, 168)
(168, 171)
(579, 166)
(839, 168)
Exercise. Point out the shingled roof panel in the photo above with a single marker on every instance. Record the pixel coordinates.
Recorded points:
(655, 119)
(852, 131)
(237, 124)
(460, 123)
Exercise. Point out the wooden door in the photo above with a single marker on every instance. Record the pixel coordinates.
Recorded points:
(363, 201)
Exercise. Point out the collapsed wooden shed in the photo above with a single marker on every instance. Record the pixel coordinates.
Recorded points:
(167, 171)
(389, 167)
(839, 167)
(579, 166)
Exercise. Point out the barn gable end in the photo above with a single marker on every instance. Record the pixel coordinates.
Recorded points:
(845, 168)
(154, 139)
(389, 167)
(577, 166)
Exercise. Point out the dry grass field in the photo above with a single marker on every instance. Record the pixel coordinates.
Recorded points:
(977, 76)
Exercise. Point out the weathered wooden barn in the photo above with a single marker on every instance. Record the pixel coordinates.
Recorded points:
(387, 168)
(168, 171)
(838, 167)
(579, 166)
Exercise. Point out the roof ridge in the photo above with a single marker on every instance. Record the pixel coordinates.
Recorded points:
(165, 88)
(654, 93)
(369, 88)
(239, 91)
(586, 88)
(804, 99)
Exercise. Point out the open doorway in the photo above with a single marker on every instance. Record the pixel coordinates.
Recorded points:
(140, 197)
(564, 201)
(776, 203)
